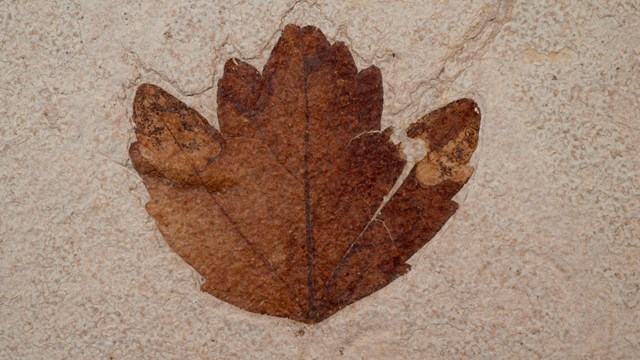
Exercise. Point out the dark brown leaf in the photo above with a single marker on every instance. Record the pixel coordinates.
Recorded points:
(279, 210)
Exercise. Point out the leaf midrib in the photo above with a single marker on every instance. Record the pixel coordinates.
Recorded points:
(310, 250)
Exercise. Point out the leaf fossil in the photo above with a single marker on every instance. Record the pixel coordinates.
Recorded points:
(279, 210)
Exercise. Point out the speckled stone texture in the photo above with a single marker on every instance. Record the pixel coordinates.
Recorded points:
(540, 261)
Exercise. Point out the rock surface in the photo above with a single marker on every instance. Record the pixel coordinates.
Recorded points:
(540, 261)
